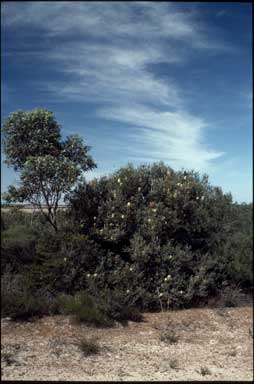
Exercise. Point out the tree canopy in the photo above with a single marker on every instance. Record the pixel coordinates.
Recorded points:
(49, 167)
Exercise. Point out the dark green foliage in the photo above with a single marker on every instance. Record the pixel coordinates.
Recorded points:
(100, 310)
(133, 241)
(171, 229)
(84, 210)
(119, 305)
(17, 246)
(153, 202)
(85, 309)
(23, 307)
(49, 167)
(34, 133)
(19, 301)
(12, 216)
(63, 260)
(239, 245)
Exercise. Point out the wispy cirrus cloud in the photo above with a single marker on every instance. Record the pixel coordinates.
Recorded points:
(175, 137)
(112, 74)
(108, 53)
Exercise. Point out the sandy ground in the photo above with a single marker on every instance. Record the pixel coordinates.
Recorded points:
(49, 348)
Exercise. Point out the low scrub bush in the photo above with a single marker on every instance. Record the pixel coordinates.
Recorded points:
(232, 353)
(20, 294)
(84, 309)
(205, 371)
(99, 310)
(119, 312)
(169, 337)
(112, 295)
(230, 296)
(17, 247)
(18, 300)
(11, 216)
(89, 346)
(173, 364)
(8, 358)
(63, 261)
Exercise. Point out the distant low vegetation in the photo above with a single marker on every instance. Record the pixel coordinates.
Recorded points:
(138, 239)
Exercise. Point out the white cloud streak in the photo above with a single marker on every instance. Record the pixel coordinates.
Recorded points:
(111, 63)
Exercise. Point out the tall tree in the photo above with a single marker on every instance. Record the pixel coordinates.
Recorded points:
(49, 167)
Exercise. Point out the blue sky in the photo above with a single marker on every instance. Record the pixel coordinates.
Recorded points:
(139, 81)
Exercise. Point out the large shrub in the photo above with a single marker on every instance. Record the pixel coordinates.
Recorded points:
(156, 202)
(165, 225)
(137, 239)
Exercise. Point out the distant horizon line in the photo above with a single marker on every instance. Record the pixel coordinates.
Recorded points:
(28, 206)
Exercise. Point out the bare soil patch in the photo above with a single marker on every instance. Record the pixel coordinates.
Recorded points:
(212, 344)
